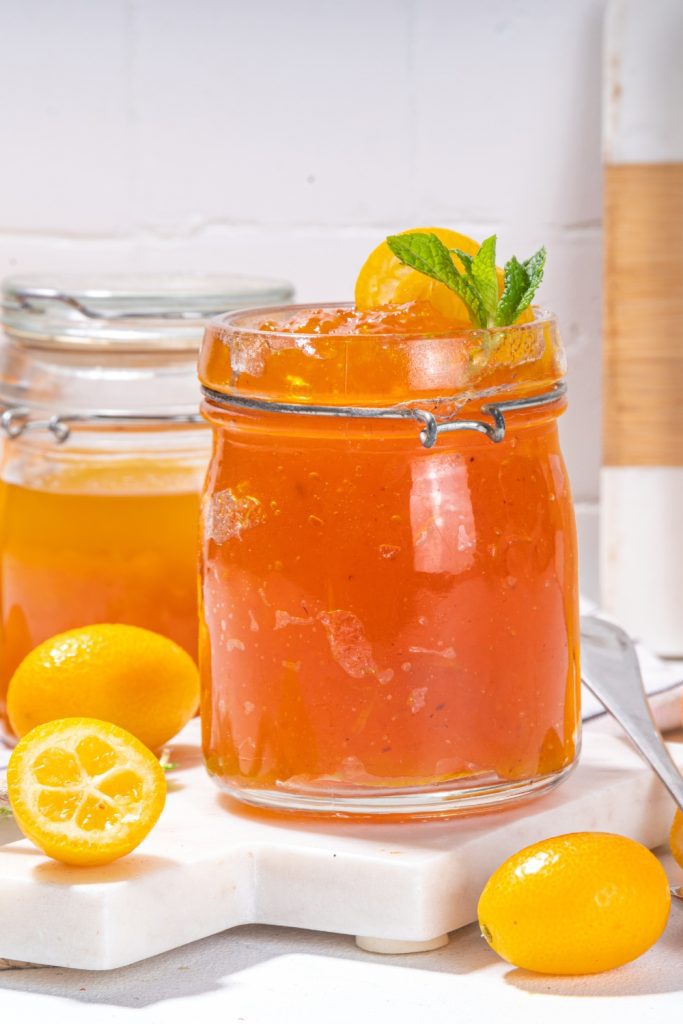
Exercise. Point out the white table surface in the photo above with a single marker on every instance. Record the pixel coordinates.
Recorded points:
(263, 975)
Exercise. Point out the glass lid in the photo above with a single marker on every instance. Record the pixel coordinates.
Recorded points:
(131, 311)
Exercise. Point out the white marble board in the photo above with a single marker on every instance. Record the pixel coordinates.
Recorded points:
(207, 867)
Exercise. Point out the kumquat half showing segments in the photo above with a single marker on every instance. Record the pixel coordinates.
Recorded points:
(85, 791)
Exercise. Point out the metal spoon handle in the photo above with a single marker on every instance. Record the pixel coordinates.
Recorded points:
(611, 672)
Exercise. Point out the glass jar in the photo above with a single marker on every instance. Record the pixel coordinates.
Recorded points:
(388, 611)
(104, 453)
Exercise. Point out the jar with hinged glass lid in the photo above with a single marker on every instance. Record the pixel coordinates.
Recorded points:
(389, 599)
(103, 452)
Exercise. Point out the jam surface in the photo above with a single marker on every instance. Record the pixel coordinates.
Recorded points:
(414, 318)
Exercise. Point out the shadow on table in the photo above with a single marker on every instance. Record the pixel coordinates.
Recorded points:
(213, 964)
(209, 964)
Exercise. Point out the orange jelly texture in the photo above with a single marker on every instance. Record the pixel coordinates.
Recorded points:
(83, 551)
(376, 614)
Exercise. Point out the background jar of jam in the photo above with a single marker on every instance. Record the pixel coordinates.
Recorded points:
(102, 452)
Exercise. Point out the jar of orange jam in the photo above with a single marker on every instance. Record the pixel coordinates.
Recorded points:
(388, 616)
(103, 453)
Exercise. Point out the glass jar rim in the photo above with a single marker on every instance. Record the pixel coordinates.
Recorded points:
(376, 375)
(231, 322)
(143, 311)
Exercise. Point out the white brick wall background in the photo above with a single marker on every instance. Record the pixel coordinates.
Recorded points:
(287, 139)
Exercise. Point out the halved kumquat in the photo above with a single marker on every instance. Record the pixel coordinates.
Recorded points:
(85, 791)
(383, 280)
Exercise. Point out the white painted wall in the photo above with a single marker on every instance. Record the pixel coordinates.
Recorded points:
(287, 138)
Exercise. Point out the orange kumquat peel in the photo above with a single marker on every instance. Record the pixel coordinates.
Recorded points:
(575, 904)
(140, 680)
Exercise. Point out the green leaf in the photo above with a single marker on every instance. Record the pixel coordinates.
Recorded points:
(465, 259)
(483, 271)
(534, 268)
(521, 283)
(424, 252)
(516, 285)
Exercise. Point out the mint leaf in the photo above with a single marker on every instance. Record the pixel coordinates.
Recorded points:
(465, 259)
(484, 277)
(521, 283)
(424, 252)
(480, 272)
(516, 284)
(534, 268)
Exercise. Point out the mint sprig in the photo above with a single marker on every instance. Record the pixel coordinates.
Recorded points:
(477, 283)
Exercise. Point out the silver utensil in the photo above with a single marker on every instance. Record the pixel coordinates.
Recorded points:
(610, 670)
